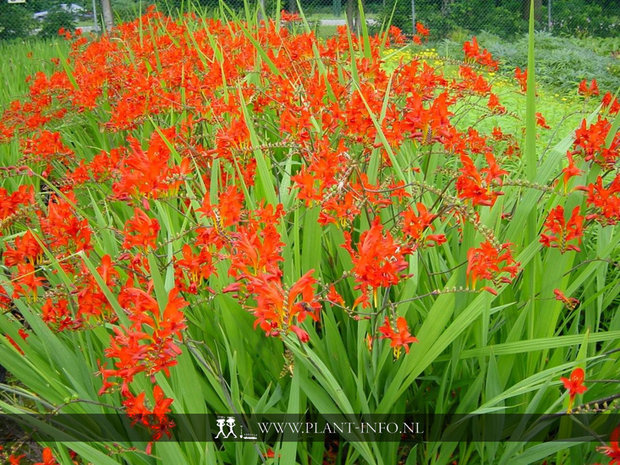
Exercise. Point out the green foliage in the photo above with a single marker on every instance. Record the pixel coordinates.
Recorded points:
(561, 63)
(15, 21)
(56, 20)
(506, 17)
(586, 18)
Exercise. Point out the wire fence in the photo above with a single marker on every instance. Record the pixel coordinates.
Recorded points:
(505, 18)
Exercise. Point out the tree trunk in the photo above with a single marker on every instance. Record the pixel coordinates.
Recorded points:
(108, 17)
(353, 17)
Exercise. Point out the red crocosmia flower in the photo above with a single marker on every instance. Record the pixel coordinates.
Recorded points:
(414, 226)
(611, 103)
(16, 460)
(14, 344)
(193, 269)
(570, 302)
(591, 142)
(378, 262)
(560, 232)
(470, 184)
(613, 450)
(421, 29)
(484, 58)
(10, 203)
(333, 296)
(521, 77)
(47, 146)
(488, 262)
(277, 310)
(287, 17)
(495, 106)
(62, 227)
(48, 458)
(155, 419)
(25, 281)
(575, 385)
(141, 231)
(399, 338)
(571, 170)
(396, 36)
(588, 91)
(606, 200)
(540, 121)
(26, 249)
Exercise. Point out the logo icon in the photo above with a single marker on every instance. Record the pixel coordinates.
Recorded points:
(223, 424)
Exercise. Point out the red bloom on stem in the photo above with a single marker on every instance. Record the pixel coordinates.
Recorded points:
(415, 225)
(399, 338)
(588, 91)
(48, 458)
(611, 102)
(287, 17)
(560, 232)
(575, 385)
(16, 460)
(471, 185)
(571, 170)
(613, 450)
(540, 121)
(485, 262)
(606, 200)
(378, 262)
(141, 231)
(570, 302)
(592, 143)
(484, 58)
(421, 29)
(521, 77)
(495, 106)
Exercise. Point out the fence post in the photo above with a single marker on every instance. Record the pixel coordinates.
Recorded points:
(413, 15)
(549, 23)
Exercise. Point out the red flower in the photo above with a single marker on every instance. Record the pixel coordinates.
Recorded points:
(15, 460)
(605, 200)
(495, 106)
(48, 458)
(421, 29)
(521, 77)
(575, 385)
(613, 450)
(287, 17)
(610, 102)
(141, 231)
(484, 58)
(588, 91)
(378, 262)
(400, 338)
(570, 302)
(592, 143)
(571, 170)
(470, 184)
(486, 263)
(540, 121)
(561, 232)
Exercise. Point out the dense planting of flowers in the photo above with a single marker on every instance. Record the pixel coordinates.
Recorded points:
(170, 166)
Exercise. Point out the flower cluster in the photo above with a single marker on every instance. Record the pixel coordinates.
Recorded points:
(213, 156)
